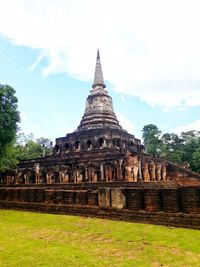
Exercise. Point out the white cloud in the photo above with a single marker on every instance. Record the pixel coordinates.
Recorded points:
(41, 126)
(125, 122)
(123, 98)
(193, 126)
(149, 49)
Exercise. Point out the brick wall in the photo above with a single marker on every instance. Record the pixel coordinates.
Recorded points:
(123, 201)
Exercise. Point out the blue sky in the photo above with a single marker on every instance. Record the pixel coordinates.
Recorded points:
(149, 52)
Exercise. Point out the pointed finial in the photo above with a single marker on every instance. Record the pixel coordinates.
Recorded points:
(98, 54)
(98, 75)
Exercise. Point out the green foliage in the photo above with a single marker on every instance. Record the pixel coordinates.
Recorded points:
(151, 136)
(36, 239)
(172, 147)
(28, 151)
(46, 143)
(191, 149)
(8, 160)
(9, 117)
(27, 147)
(196, 159)
(183, 149)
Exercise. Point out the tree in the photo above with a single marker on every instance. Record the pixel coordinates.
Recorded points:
(196, 160)
(151, 136)
(46, 143)
(183, 149)
(191, 148)
(172, 147)
(27, 147)
(9, 117)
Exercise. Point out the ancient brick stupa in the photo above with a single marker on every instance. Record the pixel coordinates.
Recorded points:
(98, 151)
(101, 170)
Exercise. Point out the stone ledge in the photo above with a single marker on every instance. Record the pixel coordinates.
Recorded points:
(159, 218)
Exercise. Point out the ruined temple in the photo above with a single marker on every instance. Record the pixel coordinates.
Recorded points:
(98, 150)
(100, 169)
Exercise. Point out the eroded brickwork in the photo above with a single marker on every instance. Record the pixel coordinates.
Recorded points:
(102, 169)
(139, 201)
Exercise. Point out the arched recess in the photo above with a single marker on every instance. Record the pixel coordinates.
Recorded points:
(131, 143)
(32, 178)
(43, 178)
(2, 179)
(89, 144)
(102, 142)
(66, 148)
(55, 178)
(21, 178)
(77, 146)
(116, 142)
(57, 149)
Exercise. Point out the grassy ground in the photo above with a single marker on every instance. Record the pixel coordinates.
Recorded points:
(34, 239)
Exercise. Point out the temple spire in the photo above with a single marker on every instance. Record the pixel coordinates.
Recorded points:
(98, 75)
(99, 112)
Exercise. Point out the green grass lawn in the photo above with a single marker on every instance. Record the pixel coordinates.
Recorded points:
(35, 239)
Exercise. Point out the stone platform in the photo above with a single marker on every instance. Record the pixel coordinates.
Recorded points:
(157, 203)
